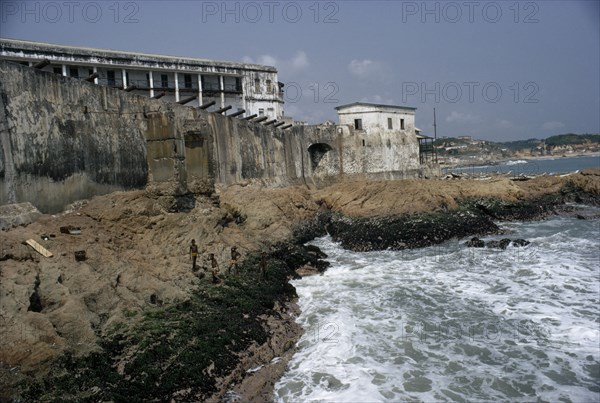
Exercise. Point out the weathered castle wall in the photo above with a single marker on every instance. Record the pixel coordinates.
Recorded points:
(245, 151)
(338, 153)
(64, 139)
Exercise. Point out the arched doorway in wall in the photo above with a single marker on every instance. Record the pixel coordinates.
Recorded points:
(317, 151)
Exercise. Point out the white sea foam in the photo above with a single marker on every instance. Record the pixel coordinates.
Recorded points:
(448, 323)
(517, 162)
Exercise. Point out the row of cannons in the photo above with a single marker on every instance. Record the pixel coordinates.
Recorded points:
(254, 118)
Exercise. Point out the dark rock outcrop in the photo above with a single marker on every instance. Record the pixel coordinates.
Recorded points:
(474, 217)
(520, 242)
(405, 232)
(309, 230)
(498, 244)
(475, 243)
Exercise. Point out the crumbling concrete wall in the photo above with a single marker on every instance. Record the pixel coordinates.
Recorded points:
(340, 153)
(64, 139)
(247, 151)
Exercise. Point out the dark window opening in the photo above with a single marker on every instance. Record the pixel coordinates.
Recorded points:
(57, 70)
(127, 79)
(363, 142)
(74, 72)
(164, 81)
(210, 83)
(358, 124)
(110, 78)
(269, 87)
(256, 85)
(90, 72)
(148, 80)
(187, 80)
(401, 124)
(390, 127)
(24, 63)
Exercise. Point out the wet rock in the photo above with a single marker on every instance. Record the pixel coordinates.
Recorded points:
(475, 243)
(519, 211)
(312, 229)
(316, 251)
(307, 270)
(408, 231)
(520, 242)
(501, 244)
(296, 256)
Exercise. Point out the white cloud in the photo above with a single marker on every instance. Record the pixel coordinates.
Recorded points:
(553, 125)
(365, 68)
(460, 117)
(268, 60)
(298, 62)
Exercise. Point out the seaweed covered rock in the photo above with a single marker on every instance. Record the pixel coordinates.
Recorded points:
(515, 211)
(407, 231)
(297, 256)
(475, 243)
(311, 229)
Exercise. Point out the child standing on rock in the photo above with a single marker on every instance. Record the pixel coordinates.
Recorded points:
(235, 255)
(215, 269)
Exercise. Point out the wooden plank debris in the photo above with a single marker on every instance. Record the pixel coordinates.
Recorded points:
(39, 248)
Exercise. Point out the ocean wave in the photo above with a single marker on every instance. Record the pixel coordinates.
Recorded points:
(449, 322)
(517, 162)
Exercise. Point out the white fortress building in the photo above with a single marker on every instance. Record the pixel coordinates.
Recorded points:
(377, 118)
(250, 87)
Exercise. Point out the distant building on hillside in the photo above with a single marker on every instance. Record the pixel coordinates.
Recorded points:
(251, 87)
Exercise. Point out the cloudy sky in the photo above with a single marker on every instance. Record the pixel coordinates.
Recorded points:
(498, 70)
